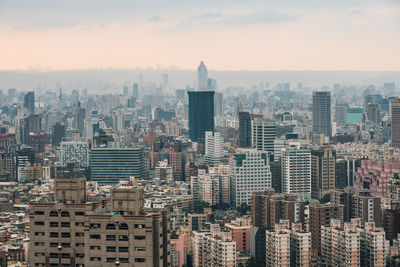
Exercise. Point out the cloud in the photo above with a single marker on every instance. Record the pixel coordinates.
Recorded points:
(154, 19)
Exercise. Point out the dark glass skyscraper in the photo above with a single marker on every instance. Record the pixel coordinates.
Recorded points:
(322, 113)
(244, 129)
(29, 102)
(201, 113)
(395, 119)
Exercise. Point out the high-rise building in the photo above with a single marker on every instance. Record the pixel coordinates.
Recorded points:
(263, 133)
(136, 91)
(323, 163)
(321, 215)
(395, 119)
(373, 114)
(202, 77)
(322, 113)
(213, 248)
(269, 208)
(76, 153)
(250, 172)
(244, 129)
(201, 114)
(111, 165)
(73, 232)
(79, 119)
(341, 113)
(288, 245)
(296, 170)
(358, 203)
(218, 103)
(29, 102)
(240, 229)
(7, 166)
(214, 147)
(57, 134)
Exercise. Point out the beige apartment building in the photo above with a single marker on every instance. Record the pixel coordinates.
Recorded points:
(73, 232)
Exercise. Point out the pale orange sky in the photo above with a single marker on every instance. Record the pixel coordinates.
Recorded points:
(229, 35)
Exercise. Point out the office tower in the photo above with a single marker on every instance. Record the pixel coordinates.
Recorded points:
(373, 113)
(218, 103)
(269, 208)
(341, 245)
(76, 153)
(341, 113)
(296, 170)
(202, 77)
(391, 220)
(375, 175)
(79, 119)
(395, 122)
(111, 165)
(29, 102)
(358, 204)
(213, 248)
(263, 133)
(91, 126)
(136, 90)
(201, 114)
(73, 232)
(214, 147)
(57, 134)
(211, 84)
(276, 173)
(321, 215)
(244, 129)
(373, 99)
(163, 173)
(323, 163)
(278, 246)
(126, 91)
(345, 170)
(322, 113)
(250, 172)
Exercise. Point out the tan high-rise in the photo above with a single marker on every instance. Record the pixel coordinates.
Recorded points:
(73, 232)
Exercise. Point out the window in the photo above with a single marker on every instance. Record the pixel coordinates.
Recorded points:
(65, 255)
(79, 255)
(65, 224)
(53, 244)
(140, 237)
(79, 244)
(124, 260)
(140, 260)
(140, 249)
(39, 223)
(66, 234)
(53, 224)
(39, 243)
(110, 259)
(53, 213)
(79, 213)
(65, 245)
(95, 247)
(95, 236)
(53, 255)
(140, 226)
(123, 226)
(94, 226)
(39, 254)
(39, 212)
(95, 259)
(110, 226)
(39, 233)
(79, 224)
(79, 234)
(65, 214)
(111, 249)
(123, 249)
(123, 238)
(53, 234)
(110, 238)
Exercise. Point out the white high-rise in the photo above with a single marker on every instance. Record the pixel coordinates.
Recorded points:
(250, 172)
(214, 149)
(74, 152)
(263, 133)
(202, 77)
(296, 169)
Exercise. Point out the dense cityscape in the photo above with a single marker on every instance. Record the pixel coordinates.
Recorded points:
(275, 175)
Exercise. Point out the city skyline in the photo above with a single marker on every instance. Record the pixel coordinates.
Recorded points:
(228, 35)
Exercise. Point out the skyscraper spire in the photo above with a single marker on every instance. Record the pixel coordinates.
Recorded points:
(202, 77)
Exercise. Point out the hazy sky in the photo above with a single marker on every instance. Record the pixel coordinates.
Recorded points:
(226, 34)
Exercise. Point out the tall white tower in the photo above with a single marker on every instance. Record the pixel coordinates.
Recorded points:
(202, 77)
